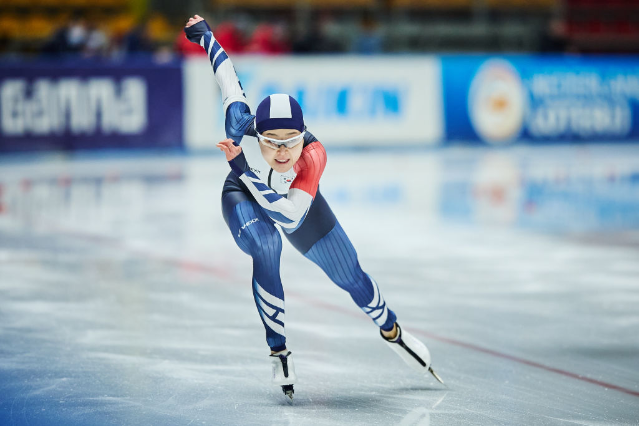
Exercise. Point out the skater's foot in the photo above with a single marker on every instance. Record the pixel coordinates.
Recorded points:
(283, 371)
(412, 351)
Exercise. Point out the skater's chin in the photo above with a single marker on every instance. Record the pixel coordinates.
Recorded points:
(282, 166)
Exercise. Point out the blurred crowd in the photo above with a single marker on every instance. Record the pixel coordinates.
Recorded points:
(82, 36)
(112, 30)
(324, 35)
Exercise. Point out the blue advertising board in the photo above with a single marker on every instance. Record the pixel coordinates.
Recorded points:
(541, 99)
(49, 106)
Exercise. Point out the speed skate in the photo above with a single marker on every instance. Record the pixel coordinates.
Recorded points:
(412, 351)
(283, 372)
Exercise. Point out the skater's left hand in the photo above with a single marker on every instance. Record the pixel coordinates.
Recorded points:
(230, 150)
(195, 28)
(194, 20)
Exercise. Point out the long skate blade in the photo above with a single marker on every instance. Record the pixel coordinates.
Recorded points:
(435, 375)
(290, 397)
(288, 391)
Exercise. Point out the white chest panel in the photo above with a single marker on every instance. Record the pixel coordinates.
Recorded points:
(279, 182)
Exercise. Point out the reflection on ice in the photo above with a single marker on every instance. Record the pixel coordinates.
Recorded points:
(562, 189)
(420, 416)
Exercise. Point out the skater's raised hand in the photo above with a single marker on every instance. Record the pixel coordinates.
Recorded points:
(230, 150)
(194, 20)
(195, 28)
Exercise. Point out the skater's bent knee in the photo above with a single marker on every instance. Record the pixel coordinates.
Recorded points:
(266, 244)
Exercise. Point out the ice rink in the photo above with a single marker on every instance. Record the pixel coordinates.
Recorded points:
(124, 300)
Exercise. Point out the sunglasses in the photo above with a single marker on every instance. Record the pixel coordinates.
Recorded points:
(277, 143)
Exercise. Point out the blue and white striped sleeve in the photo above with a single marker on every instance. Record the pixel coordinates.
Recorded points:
(223, 69)
(289, 212)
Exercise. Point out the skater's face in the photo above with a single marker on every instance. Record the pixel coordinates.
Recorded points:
(280, 158)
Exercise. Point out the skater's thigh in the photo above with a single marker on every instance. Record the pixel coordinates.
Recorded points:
(251, 228)
(319, 222)
(337, 257)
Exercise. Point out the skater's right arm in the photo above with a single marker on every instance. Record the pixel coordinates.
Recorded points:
(238, 118)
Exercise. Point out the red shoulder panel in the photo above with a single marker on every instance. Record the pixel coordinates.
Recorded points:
(309, 168)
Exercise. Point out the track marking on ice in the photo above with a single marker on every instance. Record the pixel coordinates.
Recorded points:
(224, 274)
(471, 346)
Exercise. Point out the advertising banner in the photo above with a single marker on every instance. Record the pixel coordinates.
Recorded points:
(352, 101)
(45, 106)
(540, 99)
(347, 101)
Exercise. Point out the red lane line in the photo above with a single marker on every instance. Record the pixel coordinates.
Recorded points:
(471, 346)
(223, 273)
(524, 361)
(121, 244)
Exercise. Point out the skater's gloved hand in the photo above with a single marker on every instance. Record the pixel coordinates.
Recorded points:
(196, 27)
(235, 156)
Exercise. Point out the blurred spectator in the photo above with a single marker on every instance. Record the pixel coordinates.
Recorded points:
(184, 47)
(369, 41)
(69, 39)
(137, 40)
(554, 39)
(97, 42)
(316, 38)
(268, 39)
(164, 54)
(228, 35)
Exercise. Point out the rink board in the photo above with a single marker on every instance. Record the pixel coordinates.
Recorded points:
(82, 105)
(393, 101)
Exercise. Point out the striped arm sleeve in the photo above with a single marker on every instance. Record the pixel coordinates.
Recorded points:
(291, 211)
(223, 69)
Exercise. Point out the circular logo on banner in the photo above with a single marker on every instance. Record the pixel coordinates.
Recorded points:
(497, 102)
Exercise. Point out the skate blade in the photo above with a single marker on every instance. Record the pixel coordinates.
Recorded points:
(288, 391)
(436, 376)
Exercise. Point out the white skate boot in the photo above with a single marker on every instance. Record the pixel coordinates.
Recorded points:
(412, 351)
(283, 371)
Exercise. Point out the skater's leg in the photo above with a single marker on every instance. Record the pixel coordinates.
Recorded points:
(256, 235)
(337, 257)
(322, 240)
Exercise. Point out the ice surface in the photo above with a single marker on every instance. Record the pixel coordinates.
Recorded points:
(123, 299)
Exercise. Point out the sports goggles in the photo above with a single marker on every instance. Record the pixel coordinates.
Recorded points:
(277, 143)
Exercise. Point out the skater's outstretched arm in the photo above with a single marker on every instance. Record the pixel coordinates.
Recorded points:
(238, 118)
(291, 211)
